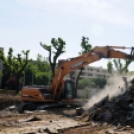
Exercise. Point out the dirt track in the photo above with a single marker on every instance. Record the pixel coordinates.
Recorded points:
(53, 121)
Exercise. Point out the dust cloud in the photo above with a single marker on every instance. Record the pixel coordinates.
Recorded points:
(116, 86)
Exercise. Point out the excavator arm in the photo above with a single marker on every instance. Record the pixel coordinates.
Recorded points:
(71, 64)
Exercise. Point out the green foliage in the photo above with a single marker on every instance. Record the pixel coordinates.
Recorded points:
(14, 65)
(123, 68)
(127, 63)
(120, 67)
(99, 82)
(38, 72)
(85, 83)
(109, 67)
(86, 47)
(1, 74)
(59, 46)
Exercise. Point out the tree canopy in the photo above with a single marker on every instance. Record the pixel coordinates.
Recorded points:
(85, 83)
(85, 45)
(110, 67)
(14, 66)
(99, 82)
(92, 82)
(38, 72)
(59, 46)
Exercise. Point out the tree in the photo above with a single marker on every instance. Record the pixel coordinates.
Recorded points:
(123, 68)
(14, 66)
(85, 83)
(127, 63)
(109, 67)
(118, 65)
(59, 45)
(43, 71)
(99, 82)
(86, 47)
(38, 72)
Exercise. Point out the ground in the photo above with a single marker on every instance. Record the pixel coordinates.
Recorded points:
(61, 120)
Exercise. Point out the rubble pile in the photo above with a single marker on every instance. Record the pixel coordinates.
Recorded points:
(119, 109)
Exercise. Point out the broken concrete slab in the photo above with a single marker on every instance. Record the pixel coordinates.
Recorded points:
(41, 130)
(52, 130)
(13, 107)
(32, 118)
(110, 131)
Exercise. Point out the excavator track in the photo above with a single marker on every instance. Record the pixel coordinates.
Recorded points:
(42, 106)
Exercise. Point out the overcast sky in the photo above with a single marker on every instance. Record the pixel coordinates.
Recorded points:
(26, 23)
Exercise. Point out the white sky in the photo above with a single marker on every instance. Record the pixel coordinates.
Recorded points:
(26, 23)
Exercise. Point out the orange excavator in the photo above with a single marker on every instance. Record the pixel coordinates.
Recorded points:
(62, 91)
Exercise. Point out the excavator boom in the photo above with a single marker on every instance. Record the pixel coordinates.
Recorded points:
(94, 55)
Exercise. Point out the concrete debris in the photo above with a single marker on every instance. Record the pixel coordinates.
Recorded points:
(41, 130)
(92, 124)
(30, 132)
(12, 124)
(13, 107)
(35, 111)
(43, 133)
(106, 116)
(104, 124)
(32, 118)
(79, 111)
(119, 109)
(28, 112)
(51, 130)
(110, 131)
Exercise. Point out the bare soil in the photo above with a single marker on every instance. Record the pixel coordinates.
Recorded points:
(11, 122)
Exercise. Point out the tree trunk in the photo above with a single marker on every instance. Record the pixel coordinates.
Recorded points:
(77, 80)
(17, 84)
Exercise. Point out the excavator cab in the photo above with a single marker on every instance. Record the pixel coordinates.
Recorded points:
(69, 90)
